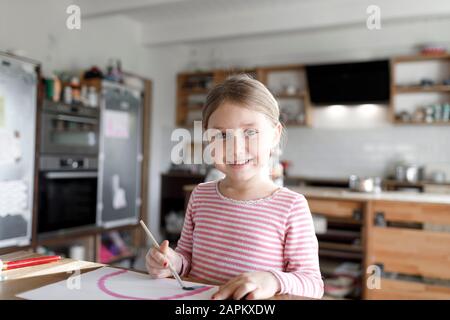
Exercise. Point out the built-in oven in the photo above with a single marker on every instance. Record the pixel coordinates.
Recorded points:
(67, 193)
(68, 130)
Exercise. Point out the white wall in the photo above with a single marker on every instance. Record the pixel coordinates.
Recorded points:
(166, 62)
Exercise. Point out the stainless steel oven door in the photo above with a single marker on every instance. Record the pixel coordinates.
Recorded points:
(67, 134)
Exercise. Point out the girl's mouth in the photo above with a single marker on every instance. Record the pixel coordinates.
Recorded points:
(239, 164)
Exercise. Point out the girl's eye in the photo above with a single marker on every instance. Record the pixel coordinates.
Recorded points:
(250, 132)
(222, 136)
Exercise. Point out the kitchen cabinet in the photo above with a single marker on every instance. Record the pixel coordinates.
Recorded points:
(192, 89)
(411, 245)
(423, 100)
(406, 235)
(289, 86)
(407, 290)
(174, 199)
(337, 208)
(342, 243)
(288, 83)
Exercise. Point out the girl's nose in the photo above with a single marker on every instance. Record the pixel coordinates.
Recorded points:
(239, 145)
(236, 147)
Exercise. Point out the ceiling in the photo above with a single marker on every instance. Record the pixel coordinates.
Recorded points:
(165, 10)
(184, 21)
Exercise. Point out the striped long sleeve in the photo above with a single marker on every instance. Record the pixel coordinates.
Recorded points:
(301, 275)
(184, 245)
(223, 237)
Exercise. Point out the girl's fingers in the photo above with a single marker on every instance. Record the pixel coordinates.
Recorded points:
(157, 263)
(153, 264)
(157, 273)
(244, 289)
(225, 291)
(219, 295)
(255, 295)
(164, 246)
(158, 256)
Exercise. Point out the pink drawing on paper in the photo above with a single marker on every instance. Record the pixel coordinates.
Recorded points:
(102, 286)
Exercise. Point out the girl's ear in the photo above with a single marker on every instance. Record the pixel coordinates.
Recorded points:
(277, 136)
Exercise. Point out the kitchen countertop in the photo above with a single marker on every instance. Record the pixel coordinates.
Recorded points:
(346, 194)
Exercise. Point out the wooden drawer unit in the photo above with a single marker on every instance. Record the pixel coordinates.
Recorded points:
(336, 208)
(413, 212)
(399, 239)
(407, 290)
(412, 252)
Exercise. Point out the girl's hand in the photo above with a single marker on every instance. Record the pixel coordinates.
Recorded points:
(157, 261)
(256, 285)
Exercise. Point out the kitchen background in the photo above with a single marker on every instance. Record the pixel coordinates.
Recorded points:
(159, 39)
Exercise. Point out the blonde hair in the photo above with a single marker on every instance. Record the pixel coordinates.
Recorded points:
(244, 91)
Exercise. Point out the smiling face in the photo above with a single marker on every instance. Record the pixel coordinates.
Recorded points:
(242, 141)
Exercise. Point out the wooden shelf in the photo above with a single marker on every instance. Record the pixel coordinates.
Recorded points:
(283, 68)
(184, 91)
(303, 94)
(290, 96)
(221, 75)
(420, 89)
(407, 184)
(421, 57)
(340, 246)
(409, 89)
(295, 124)
(343, 235)
(340, 254)
(199, 73)
(262, 74)
(420, 123)
(189, 91)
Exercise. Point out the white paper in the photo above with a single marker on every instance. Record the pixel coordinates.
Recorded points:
(117, 124)
(119, 198)
(10, 147)
(118, 284)
(13, 197)
(2, 111)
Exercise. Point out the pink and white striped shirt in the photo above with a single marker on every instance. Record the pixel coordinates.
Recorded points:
(223, 237)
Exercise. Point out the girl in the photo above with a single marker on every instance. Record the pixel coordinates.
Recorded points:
(244, 232)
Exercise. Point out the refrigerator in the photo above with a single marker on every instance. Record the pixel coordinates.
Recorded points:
(120, 155)
(18, 110)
